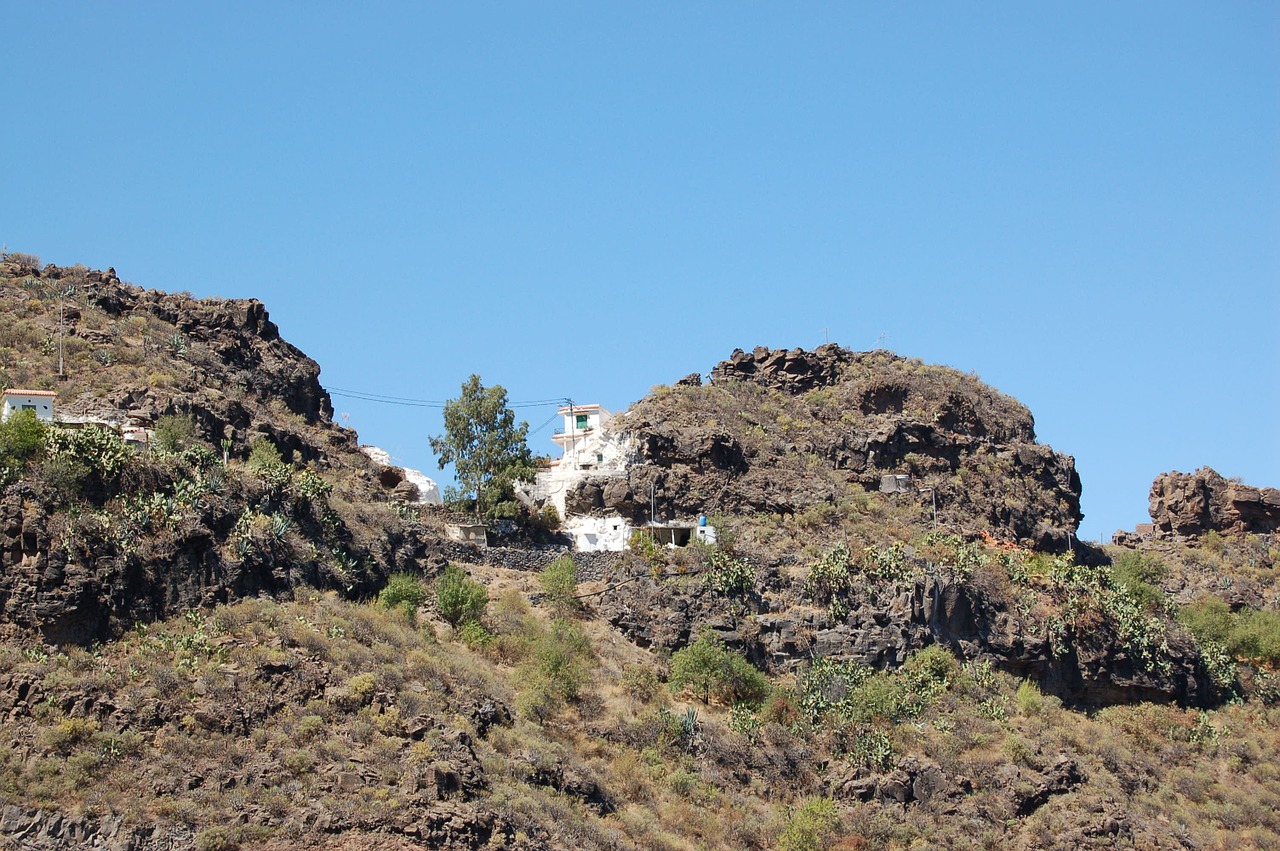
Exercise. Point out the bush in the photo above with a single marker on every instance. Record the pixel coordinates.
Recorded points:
(830, 576)
(22, 439)
(173, 433)
(1209, 619)
(557, 670)
(263, 455)
(728, 576)
(810, 827)
(1256, 635)
(459, 598)
(559, 583)
(1138, 574)
(97, 447)
(1248, 634)
(1029, 699)
(710, 669)
(405, 591)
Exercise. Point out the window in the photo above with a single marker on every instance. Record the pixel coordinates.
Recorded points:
(28, 407)
(582, 421)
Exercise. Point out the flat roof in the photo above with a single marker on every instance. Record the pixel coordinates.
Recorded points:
(584, 408)
(16, 392)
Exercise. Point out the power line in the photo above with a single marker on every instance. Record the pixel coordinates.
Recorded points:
(383, 399)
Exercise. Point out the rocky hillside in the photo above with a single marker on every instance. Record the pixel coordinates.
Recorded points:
(249, 487)
(239, 638)
(782, 432)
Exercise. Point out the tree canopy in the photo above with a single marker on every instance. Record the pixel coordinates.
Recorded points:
(486, 446)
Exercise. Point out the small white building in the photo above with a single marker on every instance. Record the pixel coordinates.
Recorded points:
(592, 450)
(578, 438)
(39, 401)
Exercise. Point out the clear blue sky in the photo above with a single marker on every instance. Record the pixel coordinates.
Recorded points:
(1081, 204)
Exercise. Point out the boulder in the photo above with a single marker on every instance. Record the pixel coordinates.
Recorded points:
(1194, 504)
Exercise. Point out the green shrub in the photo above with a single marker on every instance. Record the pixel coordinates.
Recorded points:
(1138, 574)
(404, 591)
(1209, 619)
(560, 584)
(263, 455)
(173, 433)
(1029, 699)
(556, 671)
(709, 669)
(474, 635)
(22, 439)
(97, 447)
(728, 576)
(811, 827)
(561, 658)
(1256, 635)
(830, 576)
(459, 598)
(402, 588)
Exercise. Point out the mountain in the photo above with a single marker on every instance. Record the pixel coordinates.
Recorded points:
(246, 634)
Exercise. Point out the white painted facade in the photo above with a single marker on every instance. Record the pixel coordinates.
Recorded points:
(599, 454)
(590, 450)
(598, 534)
(428, 490)
(582, 426)
(39, 401)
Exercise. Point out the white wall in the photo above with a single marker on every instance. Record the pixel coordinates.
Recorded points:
(43, 406)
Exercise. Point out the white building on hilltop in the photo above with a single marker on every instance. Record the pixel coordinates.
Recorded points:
(38, 401)
(591, 450)
(579, 439)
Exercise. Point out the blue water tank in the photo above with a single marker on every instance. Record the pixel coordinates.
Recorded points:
(702, 520)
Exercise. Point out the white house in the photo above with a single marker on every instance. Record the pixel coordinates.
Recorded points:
(40, 401)
(579, 437)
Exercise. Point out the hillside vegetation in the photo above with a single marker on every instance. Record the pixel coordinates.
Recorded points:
(240, 638)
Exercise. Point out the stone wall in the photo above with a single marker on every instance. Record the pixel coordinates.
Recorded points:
(591, 566)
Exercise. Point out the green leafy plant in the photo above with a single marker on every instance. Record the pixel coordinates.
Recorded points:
(487, 448)
(459, 598)
(22, 439)
(831, 575)
(726, 575)
(1138, 574)
(709, 669)
(560, 584)
(173, 433)
(403, 591)
(810, 827)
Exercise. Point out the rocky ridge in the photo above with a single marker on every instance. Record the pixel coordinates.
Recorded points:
(1193, 504)
(166, 534)
(782, 431)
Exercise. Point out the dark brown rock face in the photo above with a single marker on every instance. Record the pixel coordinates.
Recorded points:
(780, 431)
(882, 628)
(1190, 504)
(145, 354)
(792, 371)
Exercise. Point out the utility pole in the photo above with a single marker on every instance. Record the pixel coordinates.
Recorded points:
(572, 445)
(933, 498)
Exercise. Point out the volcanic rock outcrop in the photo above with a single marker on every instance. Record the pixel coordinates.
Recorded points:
(781, 431)
(1192, 504)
